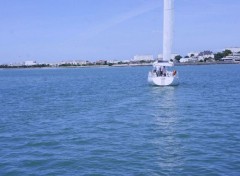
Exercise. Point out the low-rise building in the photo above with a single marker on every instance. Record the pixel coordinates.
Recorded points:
(205, 55)
(74, 62)
(138, 58)
(101, 62)
(113, 61)
(82, 62)
(29, 63)
(126, 61)
(235, 57)
(183, 60)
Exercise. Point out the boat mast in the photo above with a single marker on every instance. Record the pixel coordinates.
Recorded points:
(168, 29)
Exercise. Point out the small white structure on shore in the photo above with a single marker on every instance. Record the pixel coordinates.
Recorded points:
(29, 63)
(113, 61)
(184, 60)
(138, 58)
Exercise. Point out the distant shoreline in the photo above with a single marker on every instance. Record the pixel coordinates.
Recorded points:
(206, 63)
(123, 65)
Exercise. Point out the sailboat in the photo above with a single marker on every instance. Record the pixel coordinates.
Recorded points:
(161, 75)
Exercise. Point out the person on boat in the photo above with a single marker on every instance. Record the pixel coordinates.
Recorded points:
(158, 70)
(164, 71)
(154, 70)
(174, 72)
(161, 71)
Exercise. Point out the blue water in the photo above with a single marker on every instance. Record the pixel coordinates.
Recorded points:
(109, 121)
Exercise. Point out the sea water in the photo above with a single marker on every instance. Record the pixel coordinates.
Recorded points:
(109, 121)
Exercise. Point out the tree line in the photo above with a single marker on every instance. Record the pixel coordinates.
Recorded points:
(217, 56)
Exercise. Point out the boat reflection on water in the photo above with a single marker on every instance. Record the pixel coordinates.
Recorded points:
(166, 129)
(164, 101)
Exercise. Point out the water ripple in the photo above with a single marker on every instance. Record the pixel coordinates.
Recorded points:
(111, 122)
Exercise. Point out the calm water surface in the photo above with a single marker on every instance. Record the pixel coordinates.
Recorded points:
(109, 121)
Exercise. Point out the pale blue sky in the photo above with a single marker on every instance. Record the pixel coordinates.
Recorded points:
(55, 30)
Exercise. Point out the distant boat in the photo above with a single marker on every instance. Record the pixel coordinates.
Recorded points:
(161, 74)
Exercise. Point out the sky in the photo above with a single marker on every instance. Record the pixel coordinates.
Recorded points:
(56, 30)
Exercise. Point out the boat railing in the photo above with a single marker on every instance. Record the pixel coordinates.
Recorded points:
(168, 74)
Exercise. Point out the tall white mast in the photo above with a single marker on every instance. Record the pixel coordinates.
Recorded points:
(168, 29)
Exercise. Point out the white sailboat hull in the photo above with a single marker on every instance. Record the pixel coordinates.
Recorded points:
(168, 80)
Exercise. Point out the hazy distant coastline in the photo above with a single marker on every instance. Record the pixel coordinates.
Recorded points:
(227, 56)
(116, 65)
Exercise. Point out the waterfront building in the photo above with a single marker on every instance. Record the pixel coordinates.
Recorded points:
(82, 62)
(183, 60)
(29, 63)
(138, 58)
(101, 62)
(126, 61)
(188, 59)
(113, 61)
(74, 62)
(205, 55)
(235, 57)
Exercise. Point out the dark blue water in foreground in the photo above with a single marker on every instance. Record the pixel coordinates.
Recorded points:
(111, 122)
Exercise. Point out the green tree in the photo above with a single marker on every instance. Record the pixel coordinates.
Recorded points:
(178, 57)
(227, 53)
(218, 56)
(142, 61)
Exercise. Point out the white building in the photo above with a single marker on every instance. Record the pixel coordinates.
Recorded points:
(126, 61)
(188, 59)
(143, 58)
(183, 60)
(113, 61)
(81, 62)
(235, 57)
(205, 55)
(29, 63)
(75, 62)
